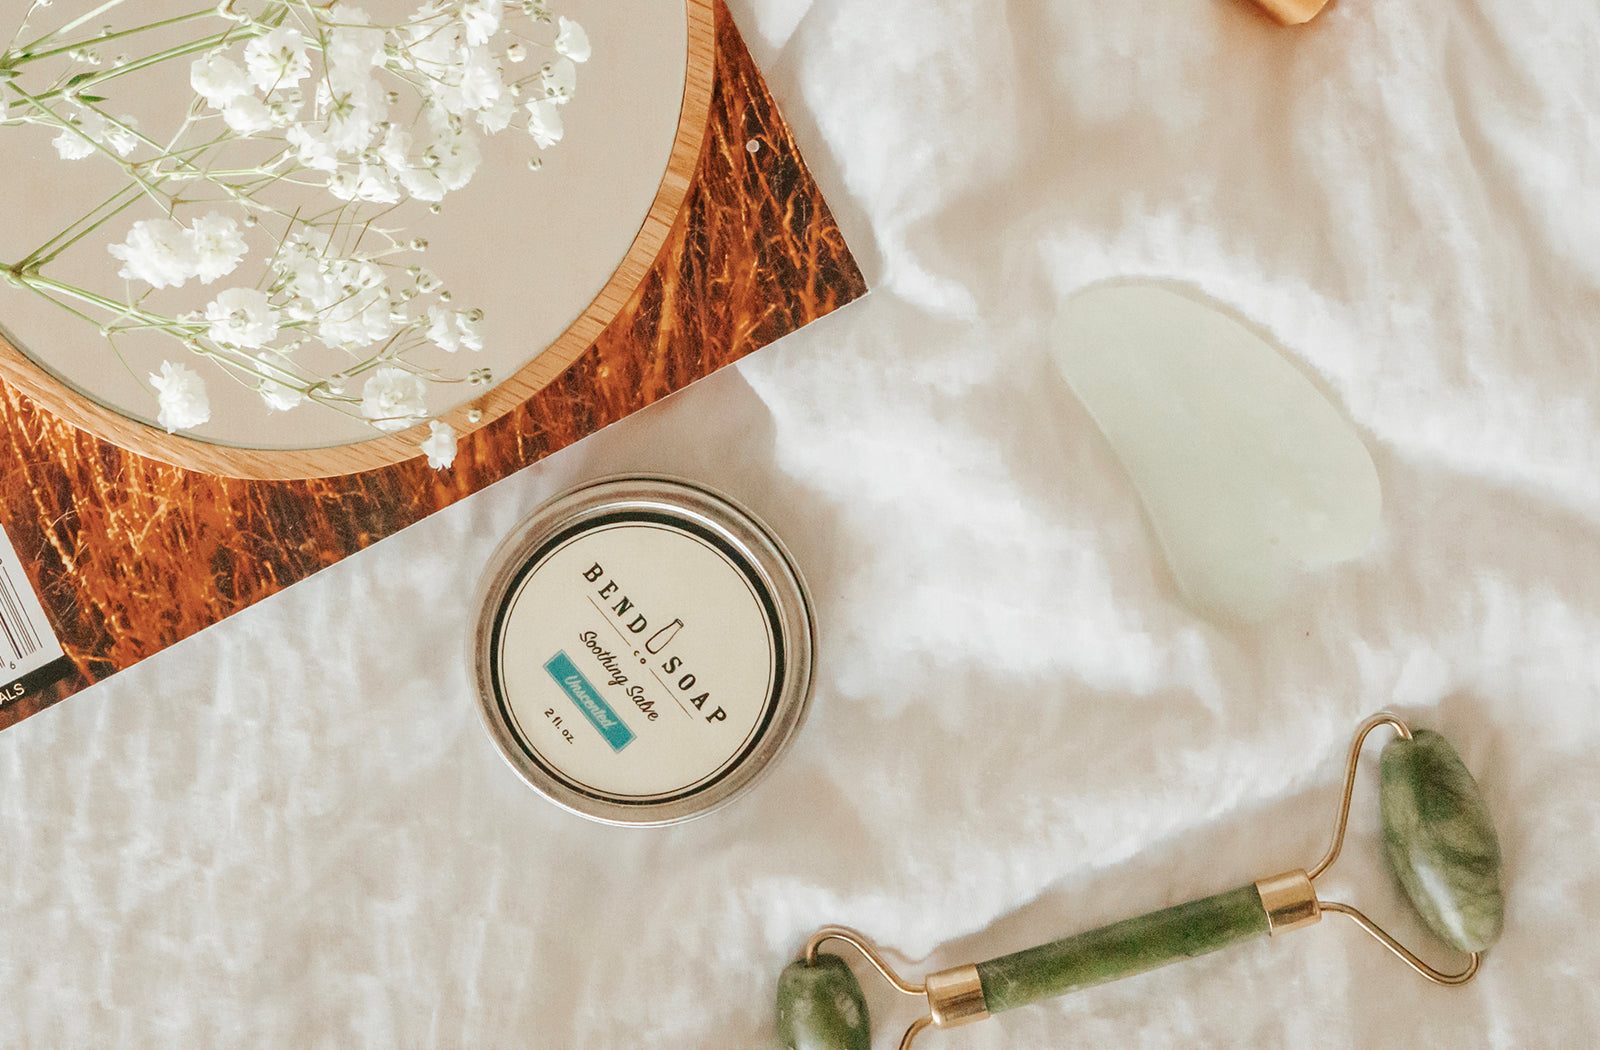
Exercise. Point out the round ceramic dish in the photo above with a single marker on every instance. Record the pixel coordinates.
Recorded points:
(643, 650)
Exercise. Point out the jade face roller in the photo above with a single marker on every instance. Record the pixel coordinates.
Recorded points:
(1437, 839)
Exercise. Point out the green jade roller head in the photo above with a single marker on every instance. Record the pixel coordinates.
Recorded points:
(1437, 839)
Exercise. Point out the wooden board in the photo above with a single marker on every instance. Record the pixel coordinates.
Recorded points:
(130, 554)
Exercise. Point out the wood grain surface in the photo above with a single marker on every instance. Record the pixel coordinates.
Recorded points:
(130, 555)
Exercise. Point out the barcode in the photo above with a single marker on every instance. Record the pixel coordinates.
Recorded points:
(27, 641)
(20, 639)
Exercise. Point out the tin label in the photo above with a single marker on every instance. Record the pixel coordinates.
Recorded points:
(637, 659)
(587, 699)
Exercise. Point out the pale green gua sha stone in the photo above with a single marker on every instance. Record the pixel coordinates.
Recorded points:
(1249, 476)
(821, 1007)
(1439, 840)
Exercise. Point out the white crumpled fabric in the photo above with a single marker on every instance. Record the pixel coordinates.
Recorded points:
(291, 830)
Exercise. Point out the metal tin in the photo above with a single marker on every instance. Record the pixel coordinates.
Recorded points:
(643, 651)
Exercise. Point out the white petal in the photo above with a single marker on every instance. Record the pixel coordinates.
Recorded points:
(544, 123)
(181, 394)
(72, 145)
(572, 41)
(440, 445)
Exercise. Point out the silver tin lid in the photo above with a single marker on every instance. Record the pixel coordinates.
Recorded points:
(643, 650)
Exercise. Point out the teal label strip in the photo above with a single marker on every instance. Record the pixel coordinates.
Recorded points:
(588, 700)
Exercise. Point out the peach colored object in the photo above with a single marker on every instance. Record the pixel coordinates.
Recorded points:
(1293, 12)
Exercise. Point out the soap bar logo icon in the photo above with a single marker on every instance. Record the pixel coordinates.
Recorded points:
(587, 699)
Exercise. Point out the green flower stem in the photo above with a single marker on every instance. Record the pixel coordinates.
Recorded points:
(178, 51)
(234, 362)
(188, 172)
(386, 355)
(122, 359)
(153, 190)
(69, 308)
(56, 245)
(328, 399)
(1123, 949)
(152, 187)
(182, 329)
(122, 125)
(82, 19)
(242, 193)
(38, 282)
(25, 55)
(220, 173)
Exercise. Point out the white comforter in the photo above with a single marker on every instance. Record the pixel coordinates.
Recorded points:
(291, 831)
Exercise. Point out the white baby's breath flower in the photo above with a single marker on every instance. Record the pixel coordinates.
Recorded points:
(72, 144)
(242, 317)
(395, 150)
(248, 115)
(482, 20)
(277, 387)
(351, 106)
(572, 41)
(330, 86)
(360, 320)
(157, 251)
(440, 445)
(312, 149)
(306, 245)
(314, 280)
(343, 185)
(218, 79)
(369, 182)
(480, 83)
(90, 127)
(181, 393)
(452, 330)
(354, 43)
(454, 157)
(377, 184)
(559, 80)
(422, 184)
(544, 123)
(362, 315)
(430, 42)
(122, 136)
(393, 398)
(218, 246)
(277, 59)
(285, 106)
(496, 117)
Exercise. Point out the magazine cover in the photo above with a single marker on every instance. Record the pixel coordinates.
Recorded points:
(124, 539)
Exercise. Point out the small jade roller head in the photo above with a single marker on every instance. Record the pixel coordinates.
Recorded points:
(820, 1007)
(1437, 839)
